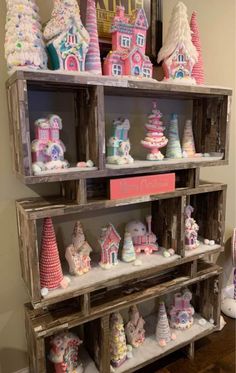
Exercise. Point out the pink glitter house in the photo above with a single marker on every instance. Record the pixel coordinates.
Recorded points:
(109, 242)
(127, 56)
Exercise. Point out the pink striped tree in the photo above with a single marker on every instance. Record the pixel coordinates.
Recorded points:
(93, 59)
(198, 70)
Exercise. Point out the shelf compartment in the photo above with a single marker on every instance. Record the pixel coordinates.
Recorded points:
(81, 110)
(42, 324)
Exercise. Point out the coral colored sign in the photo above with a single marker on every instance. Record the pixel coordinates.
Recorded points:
(141, 186)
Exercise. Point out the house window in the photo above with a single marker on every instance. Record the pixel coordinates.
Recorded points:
(147, 72)
(43, 134)
(136, 70)
(72, 39)
(55, 134)
(125, 41)
(116, 69)
(140, 40)
(181, 58)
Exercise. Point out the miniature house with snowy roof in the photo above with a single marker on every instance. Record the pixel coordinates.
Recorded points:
(178, 53)
(68, 40)
(109, 242)
(181, 312)
(128, 45)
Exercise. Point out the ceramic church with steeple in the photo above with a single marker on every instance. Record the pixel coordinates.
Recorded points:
(127, 56)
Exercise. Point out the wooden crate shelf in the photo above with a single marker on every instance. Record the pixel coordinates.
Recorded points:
(84, 97)
(42, 324)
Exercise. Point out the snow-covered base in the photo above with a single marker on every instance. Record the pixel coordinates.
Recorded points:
(120, 160)
(202, 249)
(108, 265)
(151, 349)
(65, 170)
(182, 326)
(155, 157)
(180, 81)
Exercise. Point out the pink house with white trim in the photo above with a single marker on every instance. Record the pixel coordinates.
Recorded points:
(127, 56)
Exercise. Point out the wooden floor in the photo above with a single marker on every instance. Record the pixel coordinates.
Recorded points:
(214, 354)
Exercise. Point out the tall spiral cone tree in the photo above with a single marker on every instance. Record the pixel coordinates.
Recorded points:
(163, 333)
(51, 275)
(93, 58)
(198, 69)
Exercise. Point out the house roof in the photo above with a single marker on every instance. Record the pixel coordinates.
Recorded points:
(124, 24)
(64, 14)
(132, 52)
(121, 123)
(179, 34)
(139, 19)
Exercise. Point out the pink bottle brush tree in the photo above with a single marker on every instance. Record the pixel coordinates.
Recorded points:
(93, 59)
(198, 69)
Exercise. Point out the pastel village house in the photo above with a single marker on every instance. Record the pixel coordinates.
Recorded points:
(68, 42)
(109, 242)
(127, 56)
(47, 145)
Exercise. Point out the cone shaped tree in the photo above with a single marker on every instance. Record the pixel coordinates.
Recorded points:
(93, 59)
(118, 347)
(198, 69)
(163, 334)
(24, 45)
(50, 266)
(173, 149)
(188, 145)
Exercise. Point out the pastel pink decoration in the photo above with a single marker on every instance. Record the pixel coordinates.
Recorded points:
(191, 230)
(178, 53)
(127, 56)
(51, 274)
(163, 333)
(198, 69)
(109, 242)
(130, 187)
(93, 59)
(78, 253)
(143, 238)
(155, 138)
(188, 144)
(181, 312)
(64, 353)
(118, 347)
(134, 329)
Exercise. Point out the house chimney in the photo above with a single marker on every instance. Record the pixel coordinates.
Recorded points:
(120, 11)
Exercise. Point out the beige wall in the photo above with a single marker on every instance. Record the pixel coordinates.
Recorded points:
(217, 24)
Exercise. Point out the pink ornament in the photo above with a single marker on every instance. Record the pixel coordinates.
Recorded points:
(143, 240)
(181, 313)
(127, 56)
(198, 69)
(109, 242)
(50, 266)
(64, 353)
(178, 53)
(78, 253)
(155, 138)
(93, 59)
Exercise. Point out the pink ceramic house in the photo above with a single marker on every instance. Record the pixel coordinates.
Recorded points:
(127, 56)
(109, 242)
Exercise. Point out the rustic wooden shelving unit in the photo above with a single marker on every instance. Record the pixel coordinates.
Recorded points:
(87, 303)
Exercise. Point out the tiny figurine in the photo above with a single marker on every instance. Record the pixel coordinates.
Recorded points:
(163, 333)
(127, 56)
(188, 145)
(134, 329)
(173, 149)
(68, 40)
(118, 146)
(93, 59)
(128, 251)
(64, 353)
(142, 240)
(88, 164)
(191, 230)
(109, 242)
(51, 276)
(178, 53)
(78, 253)
(155, 138)
(198, 68)
(181, 313)
(118, 348)
(24, 45)
(47, 148)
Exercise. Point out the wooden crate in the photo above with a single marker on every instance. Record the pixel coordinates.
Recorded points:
(168, 224)
(42, 324)
(85, 97)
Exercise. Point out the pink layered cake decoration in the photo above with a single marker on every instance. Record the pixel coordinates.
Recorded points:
(155, 138)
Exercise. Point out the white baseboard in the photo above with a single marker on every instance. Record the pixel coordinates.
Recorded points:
(24, 370)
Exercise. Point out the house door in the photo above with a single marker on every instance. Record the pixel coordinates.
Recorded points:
(136, 70)
(72, 63)
(113, 258)
(180, 74)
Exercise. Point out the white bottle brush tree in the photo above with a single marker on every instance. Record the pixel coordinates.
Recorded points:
(24, 45)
